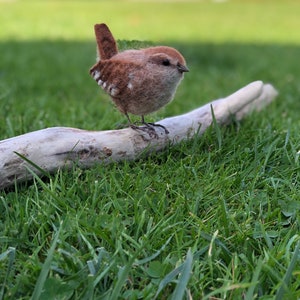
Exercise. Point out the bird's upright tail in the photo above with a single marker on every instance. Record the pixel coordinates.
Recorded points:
(106, 44)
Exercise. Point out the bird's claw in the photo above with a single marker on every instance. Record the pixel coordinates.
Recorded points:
(149, 128)
(158, 125)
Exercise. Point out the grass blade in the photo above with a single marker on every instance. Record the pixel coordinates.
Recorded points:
(217, 127)
(184, 277)
(288, 274)
(254, 281)
(153, 256)
(122, 275)
(11, 254)
(45, 269)
(41, 170)
(185, 270)
(167, 279)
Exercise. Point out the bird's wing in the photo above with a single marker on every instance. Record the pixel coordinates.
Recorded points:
(115, 77)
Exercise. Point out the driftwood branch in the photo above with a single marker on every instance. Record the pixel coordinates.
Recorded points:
(59, 147)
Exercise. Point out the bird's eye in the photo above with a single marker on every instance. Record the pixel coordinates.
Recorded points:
(166, 62)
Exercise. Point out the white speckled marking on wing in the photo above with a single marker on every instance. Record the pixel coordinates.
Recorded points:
(114, 91)
(96, 75)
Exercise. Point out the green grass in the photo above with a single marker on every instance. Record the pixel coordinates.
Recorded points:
(216, 217)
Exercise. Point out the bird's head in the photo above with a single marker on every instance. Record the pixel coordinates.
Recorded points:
(167, 59)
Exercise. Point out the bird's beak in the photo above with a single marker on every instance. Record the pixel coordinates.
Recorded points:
(181, 68)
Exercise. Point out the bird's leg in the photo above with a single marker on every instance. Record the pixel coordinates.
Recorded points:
(127, 116)
(132, 125)
(154, 124)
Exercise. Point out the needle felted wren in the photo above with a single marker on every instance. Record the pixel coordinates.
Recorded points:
(139, 81)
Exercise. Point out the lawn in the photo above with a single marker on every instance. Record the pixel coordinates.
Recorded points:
(200, 220)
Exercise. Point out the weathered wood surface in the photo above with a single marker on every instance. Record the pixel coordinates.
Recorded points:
(60, 147)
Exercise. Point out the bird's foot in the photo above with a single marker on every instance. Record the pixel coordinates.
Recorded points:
(151, 125)
(149, 128)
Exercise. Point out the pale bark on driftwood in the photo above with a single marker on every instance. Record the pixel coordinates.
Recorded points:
(60, 147)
